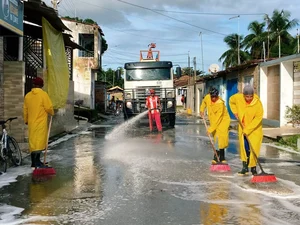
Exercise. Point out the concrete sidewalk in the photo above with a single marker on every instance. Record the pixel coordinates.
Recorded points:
(275, 133)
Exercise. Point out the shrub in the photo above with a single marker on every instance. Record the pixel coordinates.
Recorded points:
(293, 114)
(290, 141)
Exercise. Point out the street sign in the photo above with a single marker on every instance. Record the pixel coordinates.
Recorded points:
(11, 15)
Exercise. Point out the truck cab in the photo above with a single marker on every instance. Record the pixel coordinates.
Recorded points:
(142, 76)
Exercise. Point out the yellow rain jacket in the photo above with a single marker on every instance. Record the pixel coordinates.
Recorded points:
(251, 116)
(37, 105)
(219, 120)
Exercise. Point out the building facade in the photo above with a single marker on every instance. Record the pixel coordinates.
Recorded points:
(86, 63)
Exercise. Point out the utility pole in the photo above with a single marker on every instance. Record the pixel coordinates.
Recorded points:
(201, 51)
(195, 84)
(268, 22)
(238, 37)
(189, 65)
(298, 41)
(264, 51)
(279, 40)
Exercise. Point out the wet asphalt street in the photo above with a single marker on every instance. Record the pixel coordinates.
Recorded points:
(128, 176)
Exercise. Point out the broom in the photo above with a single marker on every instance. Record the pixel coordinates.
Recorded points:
(219, 166)
(45, 170)
(263, 177)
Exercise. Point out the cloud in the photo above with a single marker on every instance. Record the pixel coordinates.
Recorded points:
(129, 28)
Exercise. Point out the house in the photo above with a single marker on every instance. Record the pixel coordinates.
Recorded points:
(116, 91)
(22, 59)
(232, 80)
(279, 87)
(11, 68)
(86, 64)
(193, 90)
(181, 87)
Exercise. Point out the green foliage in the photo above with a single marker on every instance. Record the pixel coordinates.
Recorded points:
(111, 78)
(104, 45)
(290, 141)
(87, 21)
(268, 31)
(190, 71)
(293, 114)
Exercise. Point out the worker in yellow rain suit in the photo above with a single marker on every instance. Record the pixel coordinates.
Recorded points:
(219, 121)
(248, 109)
(37, 106)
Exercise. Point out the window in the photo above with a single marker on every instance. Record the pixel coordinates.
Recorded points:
(87, 42)
(148, 74)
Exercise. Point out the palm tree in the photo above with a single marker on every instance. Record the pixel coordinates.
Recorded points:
(230, 57)
(254, 40)
(278, 25)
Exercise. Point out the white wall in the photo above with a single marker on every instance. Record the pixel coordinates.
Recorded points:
(263, 80)
(286, 89)
(178, 96)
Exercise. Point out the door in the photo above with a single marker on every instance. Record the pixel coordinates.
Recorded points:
(232, 88)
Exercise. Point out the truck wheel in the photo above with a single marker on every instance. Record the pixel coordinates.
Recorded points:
(172, 120)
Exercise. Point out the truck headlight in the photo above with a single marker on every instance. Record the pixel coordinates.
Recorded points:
(169, 104)
(129, 105)
(170, 94)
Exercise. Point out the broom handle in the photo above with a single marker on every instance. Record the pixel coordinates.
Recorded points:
(251, 148)
(212, 144)
(45, 155)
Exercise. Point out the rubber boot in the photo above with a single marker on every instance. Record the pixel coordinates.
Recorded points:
(245, 169)
(253, 170)
(222, 156)
(38, 162)
(215, 160)
(32, 159)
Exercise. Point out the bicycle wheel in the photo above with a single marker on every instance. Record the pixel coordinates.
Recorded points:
(14, 151)
(3, 161)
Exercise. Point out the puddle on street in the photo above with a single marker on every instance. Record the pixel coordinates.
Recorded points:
(142, 174)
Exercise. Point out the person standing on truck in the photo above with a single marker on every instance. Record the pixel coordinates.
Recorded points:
(153, 106)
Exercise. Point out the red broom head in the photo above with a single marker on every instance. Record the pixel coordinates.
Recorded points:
(44, 171)
(219, 167)
(263, 178)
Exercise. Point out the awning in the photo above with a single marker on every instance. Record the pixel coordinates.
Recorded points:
(34, 10)
(36, 32)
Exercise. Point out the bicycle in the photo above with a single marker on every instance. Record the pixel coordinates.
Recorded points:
(9, 147)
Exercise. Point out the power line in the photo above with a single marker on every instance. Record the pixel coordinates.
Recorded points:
(142, 7)
(155, 38)
(113, 10)
(211, 14)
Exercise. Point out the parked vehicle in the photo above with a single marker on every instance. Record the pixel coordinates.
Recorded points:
(149, 73)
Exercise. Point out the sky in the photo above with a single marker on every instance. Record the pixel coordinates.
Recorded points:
(174, 25)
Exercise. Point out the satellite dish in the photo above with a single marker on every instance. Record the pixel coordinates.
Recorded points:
(213, 68)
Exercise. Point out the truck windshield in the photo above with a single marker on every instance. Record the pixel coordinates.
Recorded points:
(148, 74)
